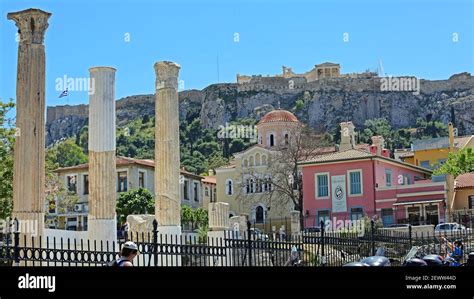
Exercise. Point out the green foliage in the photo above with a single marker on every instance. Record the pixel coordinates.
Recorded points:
(201, 217)
(299, 105)
(7, 140)
(135, 201)
(458, 163)
(430, 129)
(66, 153)
(198, 217)
(186, 214)
(401, 138)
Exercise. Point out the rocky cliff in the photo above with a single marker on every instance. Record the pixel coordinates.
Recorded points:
(325, 103)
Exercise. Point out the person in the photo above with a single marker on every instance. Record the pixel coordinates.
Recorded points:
(456, 248)
(128, 253)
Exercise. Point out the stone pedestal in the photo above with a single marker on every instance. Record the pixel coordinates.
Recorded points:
(218, 216)
(218, 231)
(102, 223)
(29, 155)
(167, 167)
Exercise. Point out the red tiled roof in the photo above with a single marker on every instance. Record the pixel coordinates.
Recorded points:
(209, 180)
(123, 161)
(278, 116)
(464, 181)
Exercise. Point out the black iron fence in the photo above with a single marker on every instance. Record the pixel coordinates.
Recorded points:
(318, 247)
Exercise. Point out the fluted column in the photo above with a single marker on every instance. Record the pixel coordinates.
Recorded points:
(167, 162)
(29, 156)
(102, 223)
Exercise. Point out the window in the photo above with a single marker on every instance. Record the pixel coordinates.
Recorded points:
(71, 183)
(251, 161)
(259, 186)
(286, 139)
(442, 161)
(323, 215)
(257, 159)
(355, 182)
(272, 140)
(471, 202)
(259, 215)
(264, 160)
(122, 181)
(206, 191)
(196, 191)
(251, 185)
(141, 179)
(388, 177)
(322, 185)
(185, 190)
(357, 213)
(425, 164)
(214, 198)
(86, 184)
(387, 217)
(228, 187)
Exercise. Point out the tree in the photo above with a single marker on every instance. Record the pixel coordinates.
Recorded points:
(7, 140)
(201, 218)
(135, 201)
(458, 163)
(66, 153)
(187, 216)
(430, 129)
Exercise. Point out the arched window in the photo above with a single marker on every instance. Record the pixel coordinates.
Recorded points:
(247, 186)
(260, 139)
(272, 140)
(264, 160)
(257, 159)
(252, 187)
(259, 215)
(229, 188)
(287, 139)
(246, 163)
(251, 161)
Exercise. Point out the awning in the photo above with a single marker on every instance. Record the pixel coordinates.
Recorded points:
(417, 202)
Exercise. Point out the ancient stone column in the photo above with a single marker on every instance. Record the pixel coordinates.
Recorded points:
(167, 162)
(29, 172)
(102, 223)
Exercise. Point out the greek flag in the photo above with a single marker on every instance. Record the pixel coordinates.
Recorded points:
(63, 94)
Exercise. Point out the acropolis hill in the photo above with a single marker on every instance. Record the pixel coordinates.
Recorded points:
(328, 97)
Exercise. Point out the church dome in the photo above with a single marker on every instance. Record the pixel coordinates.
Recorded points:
(278, 116)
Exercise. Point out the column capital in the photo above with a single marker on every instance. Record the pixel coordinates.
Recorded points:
(166, 74)
(32, 24)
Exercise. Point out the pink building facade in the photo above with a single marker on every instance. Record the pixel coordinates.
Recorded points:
(351, 184)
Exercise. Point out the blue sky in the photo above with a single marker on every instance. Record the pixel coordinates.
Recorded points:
(410, 37)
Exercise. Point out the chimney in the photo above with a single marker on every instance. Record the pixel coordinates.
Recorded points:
(347, 136)
(377, 144)
(451, 136)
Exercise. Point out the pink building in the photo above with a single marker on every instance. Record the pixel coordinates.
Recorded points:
(352, 183)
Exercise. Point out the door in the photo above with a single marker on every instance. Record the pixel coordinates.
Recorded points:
(431, 214)
(414, 215)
